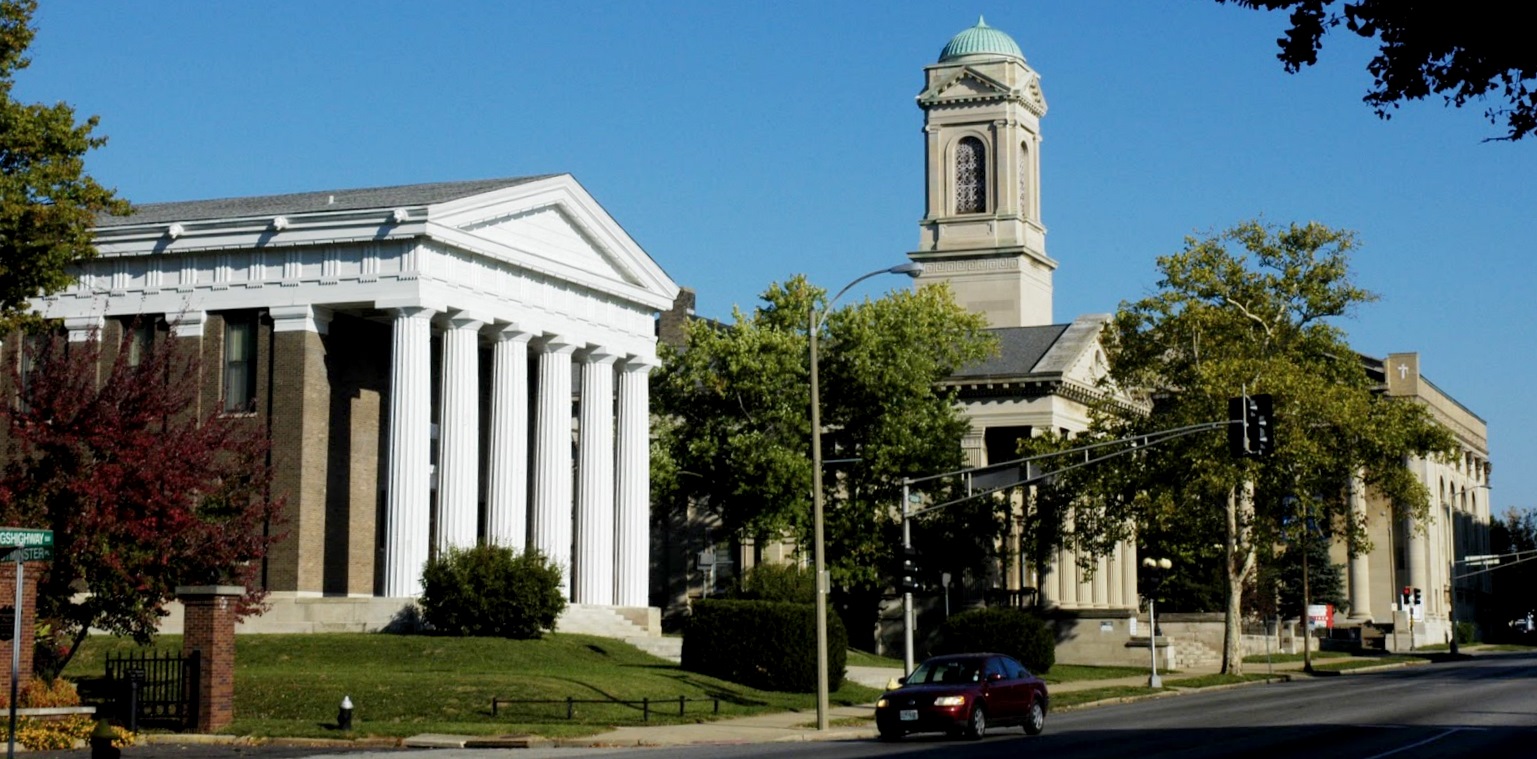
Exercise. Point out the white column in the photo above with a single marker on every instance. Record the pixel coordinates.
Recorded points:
(459, 435)
(550, 519)
(406, 507)
(632, 570)
(83, 328)
(1360, 579)
(1101, 582)
(1129, 574)
(592, 568)
(1117, 577)
(507, 462)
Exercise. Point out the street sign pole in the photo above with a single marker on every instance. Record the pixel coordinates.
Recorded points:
(10, 746)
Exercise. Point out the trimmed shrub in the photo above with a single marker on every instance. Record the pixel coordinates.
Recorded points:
(491, 591)
(790, 583)
(763, 644)
(1014, 632)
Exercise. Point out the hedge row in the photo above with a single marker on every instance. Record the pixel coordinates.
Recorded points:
(763, 644)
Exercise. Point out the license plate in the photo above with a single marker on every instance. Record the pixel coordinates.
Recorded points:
(909, 715)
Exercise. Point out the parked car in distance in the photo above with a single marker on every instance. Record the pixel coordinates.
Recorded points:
(964, 694)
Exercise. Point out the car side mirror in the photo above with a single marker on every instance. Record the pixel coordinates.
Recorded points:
(902, 680)
(994, 677)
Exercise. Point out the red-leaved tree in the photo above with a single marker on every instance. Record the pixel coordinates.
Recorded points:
(106, 448)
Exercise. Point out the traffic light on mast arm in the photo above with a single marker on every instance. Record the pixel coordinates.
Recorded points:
(1251, 426)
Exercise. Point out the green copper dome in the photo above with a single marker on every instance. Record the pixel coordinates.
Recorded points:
(980, 40)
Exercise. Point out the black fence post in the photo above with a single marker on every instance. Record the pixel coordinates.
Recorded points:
(570, 710)
(645, 709)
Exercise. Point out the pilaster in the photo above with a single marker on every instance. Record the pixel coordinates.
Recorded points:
(300, 428)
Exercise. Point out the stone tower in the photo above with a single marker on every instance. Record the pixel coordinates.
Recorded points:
(981, 231)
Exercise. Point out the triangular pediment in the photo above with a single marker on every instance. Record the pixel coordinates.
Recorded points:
(554, 225)
(964, 84)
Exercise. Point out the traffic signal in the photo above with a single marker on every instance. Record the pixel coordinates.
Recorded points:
(1416, 596)
(910, 576)
(1251, 426)
(1405, 596)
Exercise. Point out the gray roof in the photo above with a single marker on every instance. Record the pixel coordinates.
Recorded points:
(1019, 350)
(311, 202)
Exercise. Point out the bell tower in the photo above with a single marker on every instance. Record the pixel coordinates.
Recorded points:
(981, 231)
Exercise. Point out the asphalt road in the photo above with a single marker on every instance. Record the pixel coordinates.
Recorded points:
(1484, 707)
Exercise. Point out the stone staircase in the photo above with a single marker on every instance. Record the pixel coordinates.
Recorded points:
(606, 621)
(670, 649)
(1190, 653)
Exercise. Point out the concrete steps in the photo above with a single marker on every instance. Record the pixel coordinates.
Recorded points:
(1192, 654)
(604, 621)
(670, 649)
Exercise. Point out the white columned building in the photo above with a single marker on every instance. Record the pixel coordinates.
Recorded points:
(410, 350)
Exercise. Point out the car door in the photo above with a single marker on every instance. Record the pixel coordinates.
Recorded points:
(1002, 693)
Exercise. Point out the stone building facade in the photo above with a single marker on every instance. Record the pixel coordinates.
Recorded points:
(438, 366)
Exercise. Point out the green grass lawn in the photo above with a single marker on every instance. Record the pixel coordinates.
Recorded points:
(1071, 673)
(1077, 697)
(1207, 681)
(1293, 658)
(402, 685)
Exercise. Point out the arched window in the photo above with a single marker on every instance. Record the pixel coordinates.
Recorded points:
(1025, 175)
(970, 176)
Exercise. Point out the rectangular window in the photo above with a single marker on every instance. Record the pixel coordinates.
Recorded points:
(139, 336)
(239, 364)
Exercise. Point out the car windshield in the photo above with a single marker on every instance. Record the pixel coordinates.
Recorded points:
(951, 671)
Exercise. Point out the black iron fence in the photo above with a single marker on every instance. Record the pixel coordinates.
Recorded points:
(645, 705)
(156, 688)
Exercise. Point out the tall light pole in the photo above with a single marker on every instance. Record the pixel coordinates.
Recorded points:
(1162, 566)
(814, 321)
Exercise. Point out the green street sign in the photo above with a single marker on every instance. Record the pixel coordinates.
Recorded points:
(22, 537)
(27, 553)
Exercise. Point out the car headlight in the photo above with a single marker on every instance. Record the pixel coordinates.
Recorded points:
(950, 701)
(881, 704)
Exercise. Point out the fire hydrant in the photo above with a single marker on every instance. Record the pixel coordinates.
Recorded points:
(344, 715)
(101, 742)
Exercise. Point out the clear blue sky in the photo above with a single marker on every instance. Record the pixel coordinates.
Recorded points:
(741, 143)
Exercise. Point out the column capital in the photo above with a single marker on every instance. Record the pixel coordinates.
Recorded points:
(300, 318)
(187, 323)
(463, 320)
(598, 356)
(511, 333)
(410, 312)
(642, 364)
(83, 328)
(556, 344)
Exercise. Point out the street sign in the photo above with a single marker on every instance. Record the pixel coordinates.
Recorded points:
(27, 553)
(21, 537)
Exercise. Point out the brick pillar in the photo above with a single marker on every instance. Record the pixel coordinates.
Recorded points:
(209, 629)
(28, 620)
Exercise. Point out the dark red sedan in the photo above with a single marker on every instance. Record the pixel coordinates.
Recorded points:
(964, 694)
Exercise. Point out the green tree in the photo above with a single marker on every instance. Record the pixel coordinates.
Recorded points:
(1254, 309)
(735, 436)
(48, 203)
(1461, 51)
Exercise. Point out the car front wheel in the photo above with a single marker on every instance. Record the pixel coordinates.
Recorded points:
(1035, 721)
(977, 728)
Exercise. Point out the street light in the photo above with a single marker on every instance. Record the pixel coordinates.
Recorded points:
(814, 320)
(1162, 566)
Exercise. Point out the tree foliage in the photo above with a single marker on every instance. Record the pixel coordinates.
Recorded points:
(47, 202)
(1252, 309)
(142, 495)
(1461, 51)
(736, 432)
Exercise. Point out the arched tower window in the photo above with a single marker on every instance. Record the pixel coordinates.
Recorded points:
(970, 176)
